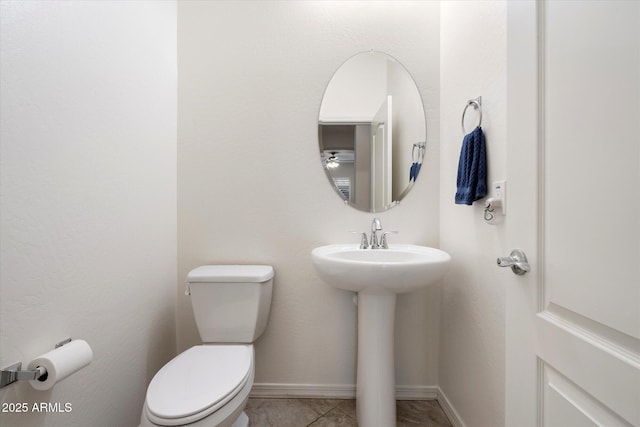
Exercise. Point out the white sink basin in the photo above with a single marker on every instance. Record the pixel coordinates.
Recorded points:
(399, 269)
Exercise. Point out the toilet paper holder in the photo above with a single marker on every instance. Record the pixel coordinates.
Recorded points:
(13, 373)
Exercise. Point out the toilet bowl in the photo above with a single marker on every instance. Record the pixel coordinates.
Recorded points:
(208, 385)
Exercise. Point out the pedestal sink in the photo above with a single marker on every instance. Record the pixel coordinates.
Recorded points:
(378, 275)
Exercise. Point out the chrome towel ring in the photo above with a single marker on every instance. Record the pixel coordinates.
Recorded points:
(477, 105)
(419, 150)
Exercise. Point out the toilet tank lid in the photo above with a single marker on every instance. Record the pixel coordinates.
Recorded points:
(230, 273)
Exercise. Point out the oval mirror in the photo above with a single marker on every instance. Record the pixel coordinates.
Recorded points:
(372, 131)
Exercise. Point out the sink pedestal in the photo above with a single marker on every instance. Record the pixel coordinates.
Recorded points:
(377, 276)
(376, 389)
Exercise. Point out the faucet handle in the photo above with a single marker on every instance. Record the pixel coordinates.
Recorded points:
(383, 241)
(364, 243)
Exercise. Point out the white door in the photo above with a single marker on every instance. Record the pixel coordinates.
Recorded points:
(381, 156)
(573, 322)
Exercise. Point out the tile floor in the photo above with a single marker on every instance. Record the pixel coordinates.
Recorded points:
(337, 413)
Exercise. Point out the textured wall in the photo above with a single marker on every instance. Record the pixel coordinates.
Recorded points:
(88, 213)
(473, 63)
(251, 188)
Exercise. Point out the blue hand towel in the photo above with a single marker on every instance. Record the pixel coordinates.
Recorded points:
(414, 170)
(472, 168)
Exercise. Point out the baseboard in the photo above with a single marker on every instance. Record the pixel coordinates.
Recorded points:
(335, 391)
(416, 392)
(449, 410)
(316, 391)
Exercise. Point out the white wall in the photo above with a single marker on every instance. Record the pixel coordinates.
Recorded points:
(251, 188)
(473, 63)
(357, 90)
(88, 213)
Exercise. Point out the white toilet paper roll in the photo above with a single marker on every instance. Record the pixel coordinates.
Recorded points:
(60, 363)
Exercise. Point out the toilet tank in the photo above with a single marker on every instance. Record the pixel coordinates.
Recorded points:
(231, 303)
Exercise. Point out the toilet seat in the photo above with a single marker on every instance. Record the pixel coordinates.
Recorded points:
(198, 382)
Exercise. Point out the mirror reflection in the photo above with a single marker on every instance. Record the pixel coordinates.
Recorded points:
(372, 131)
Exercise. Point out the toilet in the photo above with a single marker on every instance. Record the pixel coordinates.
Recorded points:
(208, 385)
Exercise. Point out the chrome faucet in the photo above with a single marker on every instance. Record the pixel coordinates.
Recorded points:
(376, 226)
(375, 242)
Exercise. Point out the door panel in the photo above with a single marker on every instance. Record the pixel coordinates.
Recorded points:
(592, 154)
(567, 405)
(600, 368)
